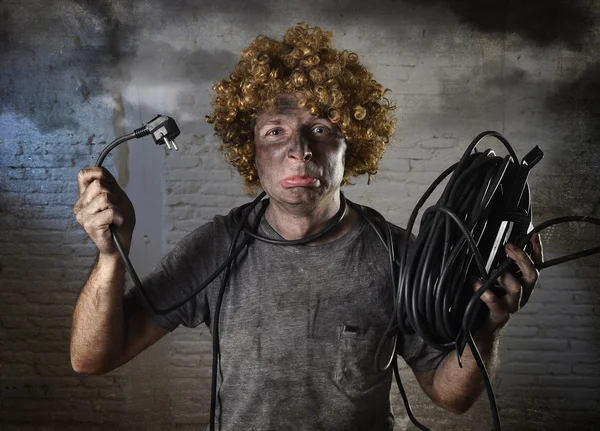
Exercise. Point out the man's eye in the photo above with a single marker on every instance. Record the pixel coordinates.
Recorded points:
(274, 132)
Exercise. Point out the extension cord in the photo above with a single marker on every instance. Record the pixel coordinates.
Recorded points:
(507, 219)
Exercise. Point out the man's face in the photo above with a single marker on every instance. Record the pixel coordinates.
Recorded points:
(299, 157)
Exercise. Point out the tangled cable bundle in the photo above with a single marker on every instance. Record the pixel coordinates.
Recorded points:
(485, 204)
(434, 292)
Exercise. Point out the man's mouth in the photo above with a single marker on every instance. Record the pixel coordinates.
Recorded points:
(300, 181)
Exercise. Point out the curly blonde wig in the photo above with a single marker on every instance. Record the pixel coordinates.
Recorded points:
(331, 83)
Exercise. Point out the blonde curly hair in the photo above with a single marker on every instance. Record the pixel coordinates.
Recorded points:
(330, 83)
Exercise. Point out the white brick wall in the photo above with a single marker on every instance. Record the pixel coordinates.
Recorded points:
(450, 83)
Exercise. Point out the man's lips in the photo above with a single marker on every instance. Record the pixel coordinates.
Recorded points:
(300, 181)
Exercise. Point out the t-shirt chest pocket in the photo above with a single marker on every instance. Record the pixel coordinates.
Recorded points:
(355, 372)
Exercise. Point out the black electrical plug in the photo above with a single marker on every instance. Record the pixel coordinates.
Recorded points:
(163, 129)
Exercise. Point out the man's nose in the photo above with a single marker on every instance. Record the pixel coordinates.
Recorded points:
(300, 148)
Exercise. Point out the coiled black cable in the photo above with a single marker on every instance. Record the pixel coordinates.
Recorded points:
(429, 281)
(435, 296)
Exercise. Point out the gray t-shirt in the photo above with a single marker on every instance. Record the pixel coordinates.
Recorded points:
(299, 326)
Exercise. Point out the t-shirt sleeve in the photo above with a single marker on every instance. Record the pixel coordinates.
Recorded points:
(175, 277)
(415, 351)
(418, 354)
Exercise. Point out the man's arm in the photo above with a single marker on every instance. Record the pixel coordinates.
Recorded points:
(456, 389)
(106, 332)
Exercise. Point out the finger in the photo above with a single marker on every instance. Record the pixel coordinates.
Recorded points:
(100, 220)
(100, 203)
(87, 175)
(526, 265)
(94, 189)
(537, 253)
(514, 291)
(498, 309)
(98, 224)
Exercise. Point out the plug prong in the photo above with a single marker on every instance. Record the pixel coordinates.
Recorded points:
(174, 145)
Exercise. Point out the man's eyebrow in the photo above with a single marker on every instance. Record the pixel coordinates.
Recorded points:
(277, 121)
(273, 121)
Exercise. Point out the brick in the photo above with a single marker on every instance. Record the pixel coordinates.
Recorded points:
(181, 175)
(13, 321)
(28, 173)
(589, 370)
(57, 298)
(185, 347)
(187, 360)
(20, 370)
(66, 223)
(435, 166)
(16, 299)
(522, 331)
(559, 368)
(51, 322)
(532, 308)
(55, 334)
(551, 321)
(393, 165)
(185, 162)
(571, 333)
(439, 143)
(35, 237)
(584, 345)
(385, 187)
(537, 344)
(41, 198)
(42, 346)
(80, 251)
(181, 187)
(554, 309)
(549, 356)
(226, 189)
(524, 368)
(416, 153)
(585, 298)
(48, 274)
(508, 380)
(563, 284)
(208, 213)
(570, 381)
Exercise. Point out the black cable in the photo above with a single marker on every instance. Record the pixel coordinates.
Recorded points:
(132, 273)
(112, 145)
(430, 282)
(435, 293)
(250, 234)
(215, 329)
(225, 266)
(337, 218)
(409, 411)
(486, 380)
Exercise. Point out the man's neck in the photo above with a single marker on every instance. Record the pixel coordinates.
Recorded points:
(295, 222)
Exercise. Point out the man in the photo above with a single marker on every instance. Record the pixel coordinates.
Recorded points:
(299, 325)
